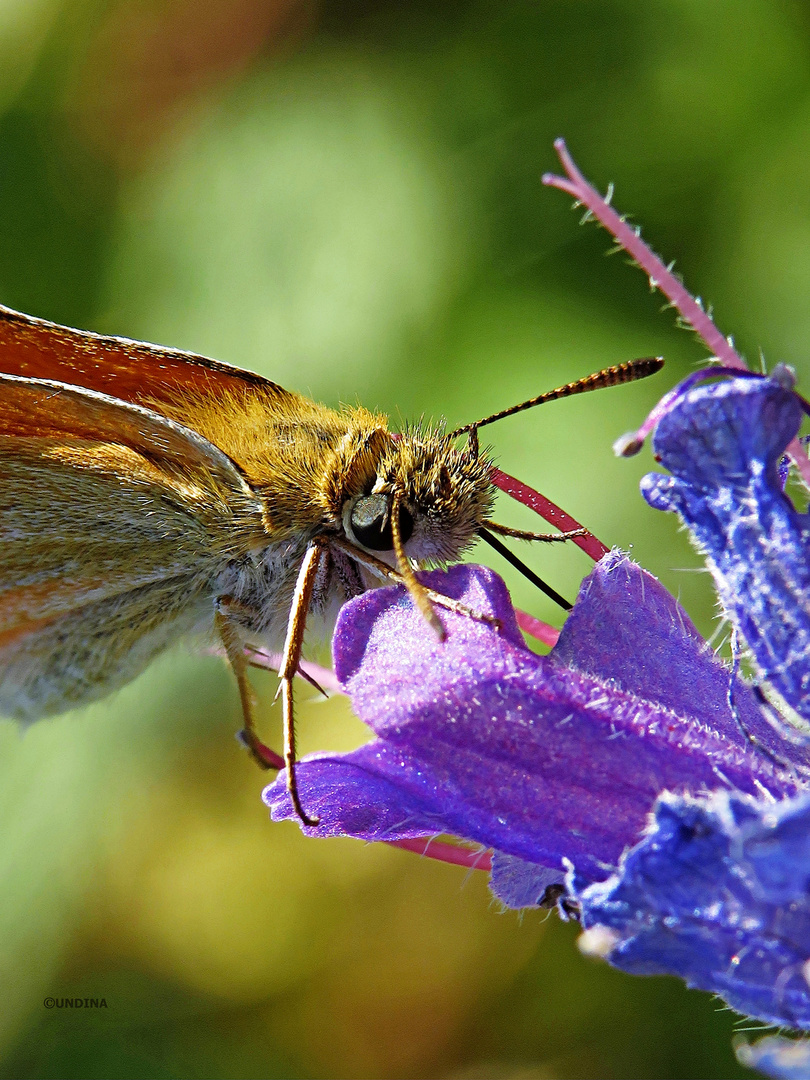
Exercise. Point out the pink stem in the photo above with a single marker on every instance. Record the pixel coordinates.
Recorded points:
(549, 511)
(798, 455)
(267, 756)
(270, 661)
(444, 852)
(630, 239)
(323, 676)
(540, 631)
(659, 275)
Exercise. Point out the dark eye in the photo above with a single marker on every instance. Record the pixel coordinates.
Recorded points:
(371, 523)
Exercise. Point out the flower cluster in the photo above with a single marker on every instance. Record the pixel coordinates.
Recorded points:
(556, 761)
(628, 775)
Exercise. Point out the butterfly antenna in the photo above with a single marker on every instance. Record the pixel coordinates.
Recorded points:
(610, 376)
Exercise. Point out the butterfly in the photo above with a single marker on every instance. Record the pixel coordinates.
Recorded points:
(148, 493)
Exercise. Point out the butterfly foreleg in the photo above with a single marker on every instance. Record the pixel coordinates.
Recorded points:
(302, 598)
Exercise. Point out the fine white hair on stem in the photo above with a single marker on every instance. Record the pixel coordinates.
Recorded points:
(689, 308)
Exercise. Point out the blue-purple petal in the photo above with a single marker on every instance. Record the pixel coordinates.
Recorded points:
(723, 444)
(627, 630)
(521, 884)
(717, 893)
(480, 738)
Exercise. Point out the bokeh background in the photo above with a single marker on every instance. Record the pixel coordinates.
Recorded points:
(346, 197)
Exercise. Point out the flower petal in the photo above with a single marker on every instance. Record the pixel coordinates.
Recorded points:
(717, 893)
(723, 443)
(521, 884)
(635, 636)
(480, 738)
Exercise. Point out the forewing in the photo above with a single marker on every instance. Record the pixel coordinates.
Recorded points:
(131, 371)
(113, 521)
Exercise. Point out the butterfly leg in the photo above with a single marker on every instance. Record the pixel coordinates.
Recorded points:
(235, 650)
(302, 597)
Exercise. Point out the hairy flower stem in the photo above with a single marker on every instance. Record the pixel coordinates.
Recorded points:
(660, 276)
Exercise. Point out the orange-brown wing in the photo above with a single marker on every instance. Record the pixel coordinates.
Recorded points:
(113, 522)
(131, 371)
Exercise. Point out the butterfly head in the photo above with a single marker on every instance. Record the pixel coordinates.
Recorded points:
(443, 494)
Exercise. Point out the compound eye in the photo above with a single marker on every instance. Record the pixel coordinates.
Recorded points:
(371, 522)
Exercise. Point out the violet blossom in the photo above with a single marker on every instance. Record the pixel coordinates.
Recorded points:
(723, 444)
(539, 757)
(662, 799)
(718, 891)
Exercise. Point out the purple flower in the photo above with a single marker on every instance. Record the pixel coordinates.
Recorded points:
(723, 443)
(540, 758)
(557, 762)
(717, 893)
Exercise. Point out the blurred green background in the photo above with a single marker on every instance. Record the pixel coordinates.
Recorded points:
(346, 197)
